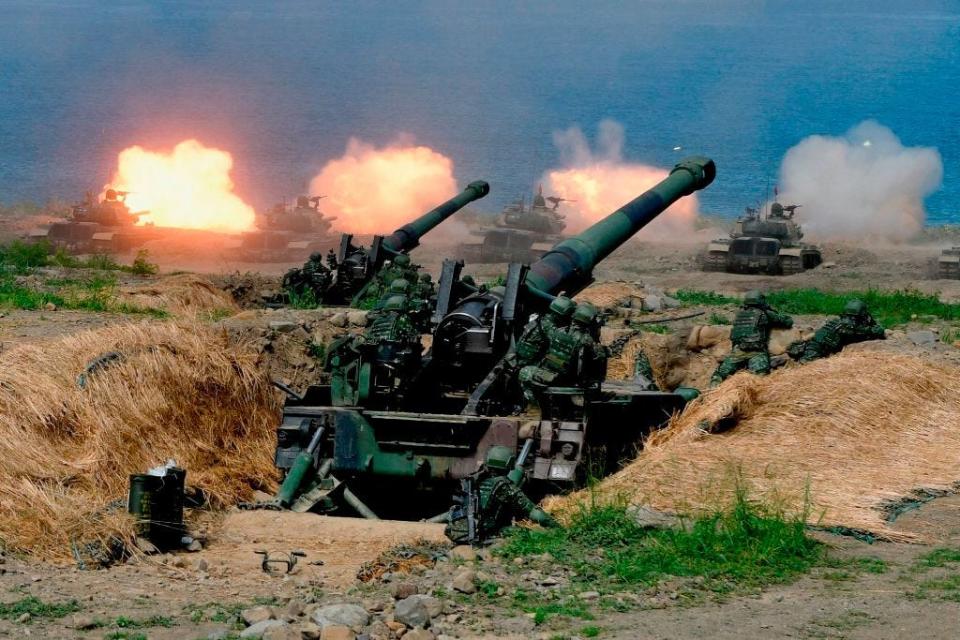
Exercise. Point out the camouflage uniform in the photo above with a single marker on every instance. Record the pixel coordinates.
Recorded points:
(499, 502)
(313, 276)
(392, 323)
(535, 339)
(643, 372)
(399, 268)
(573, 357)
(855, 325)
(751, 338)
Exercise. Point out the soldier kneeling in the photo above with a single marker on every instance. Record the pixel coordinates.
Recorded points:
(855, 324)
(751, 338)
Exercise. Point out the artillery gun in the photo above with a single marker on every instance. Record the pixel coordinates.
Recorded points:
(353, 266)
(759, 243)
(287, 234)
(104, 226)
(358, 442)
(521, 233)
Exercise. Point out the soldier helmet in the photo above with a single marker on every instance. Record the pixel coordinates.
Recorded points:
(400, 285)
(425, 277)
(562, 306)
(401, 260)
(468, 279)
(396, 303)
(754, 299)
(316, 257)
(499, 458)
(585, 314)
(855, 308)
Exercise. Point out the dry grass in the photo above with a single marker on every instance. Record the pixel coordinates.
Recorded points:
(855, 432)
(183, 295)
(180, 391)
(608, 294)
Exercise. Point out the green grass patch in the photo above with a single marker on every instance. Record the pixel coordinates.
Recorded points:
(590, 631)
(890, 308)
(940, 557)
(742, 546)
(716, 318)
(96, 293)
(153, 621)
(657, 328)
(305, 300)
(23, 257)
(125, 635)
(37, 608)
(944, 588)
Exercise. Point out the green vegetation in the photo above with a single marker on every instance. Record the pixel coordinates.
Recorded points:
(23, 257)
(942, 587)
(716, 318)
(305, 300)
(590, 631)
(37, 608)
(96, 293)
(153, 621)
(890, 308)
(124, 635)
(847, 621)
(657, 328)
(744, 545)
(940, 557)
(141, 265)
(317, 351)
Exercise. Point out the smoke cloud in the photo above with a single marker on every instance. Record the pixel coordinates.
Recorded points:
(862, 183)
(374, 190)
(188, 187)
(598, 182)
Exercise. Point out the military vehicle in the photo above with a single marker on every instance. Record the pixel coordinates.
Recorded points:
(105, 226)
(354, 266)
(287, 234)
(763, 244)
(948, 264)
(359, 442)
(521, 233)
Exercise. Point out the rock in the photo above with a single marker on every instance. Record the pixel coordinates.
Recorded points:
(922, 337)
(202, 565)
(417, 610)
(337, 632)
(652, 302)
(465, 581)
(220, 633)
(294, 609)
(398, 628)
(282, 326)
(463, 552)
(589, 596)
(378, 630)
(257, 631)
(178, 562)
(401, 590)
(310, 631)
(551, 581)
(283, 631)
(145, 546)
(194, 546)
(650, 518)
(670, 303)
(357, 318)
(348, 615)
(83, 622)
(49, 307)
(419, 634)
(256, 614)
(23, 618)
(339, 319)
(828, 265)
(518, 626)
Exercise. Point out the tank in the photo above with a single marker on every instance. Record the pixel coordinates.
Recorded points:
(355, 265)
(405, 455)
(289, 233)
(98, 226)
(521, 233)
(948, 264)
(760, 243)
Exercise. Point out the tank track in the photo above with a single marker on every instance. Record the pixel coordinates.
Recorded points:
(714, 262)
(790, 265)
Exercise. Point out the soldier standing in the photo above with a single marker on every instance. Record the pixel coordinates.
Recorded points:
(751, 337)
(854, 325)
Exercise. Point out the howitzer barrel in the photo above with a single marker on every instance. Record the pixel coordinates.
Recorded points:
(568, 265)
(408, 236)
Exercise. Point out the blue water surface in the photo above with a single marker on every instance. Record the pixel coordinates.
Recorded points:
(284, 85)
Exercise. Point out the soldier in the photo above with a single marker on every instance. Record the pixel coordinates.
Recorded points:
(573, 356)
(332, 262)
(393, 322)
(751, 337)
(533, 342)
(643, 372)
(492, 501)
(312, 277)
(854, 325)
(426, 290)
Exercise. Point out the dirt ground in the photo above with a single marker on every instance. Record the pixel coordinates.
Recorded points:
(198, 594)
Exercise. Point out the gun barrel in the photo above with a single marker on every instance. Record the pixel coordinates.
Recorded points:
(567, 267)
(408, 236)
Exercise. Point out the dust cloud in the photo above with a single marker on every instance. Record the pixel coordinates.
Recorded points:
(864, 183)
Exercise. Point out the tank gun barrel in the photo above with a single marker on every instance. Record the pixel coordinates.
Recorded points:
(567, 267)
(408, 236)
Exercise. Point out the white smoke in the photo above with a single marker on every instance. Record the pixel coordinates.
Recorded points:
(598, 182)
(863, 183)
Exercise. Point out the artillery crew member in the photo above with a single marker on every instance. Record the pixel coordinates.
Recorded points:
(751, 337)
(493, 502)
(855, 324)
(535, 339)
(574, 357)
(392, 322)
